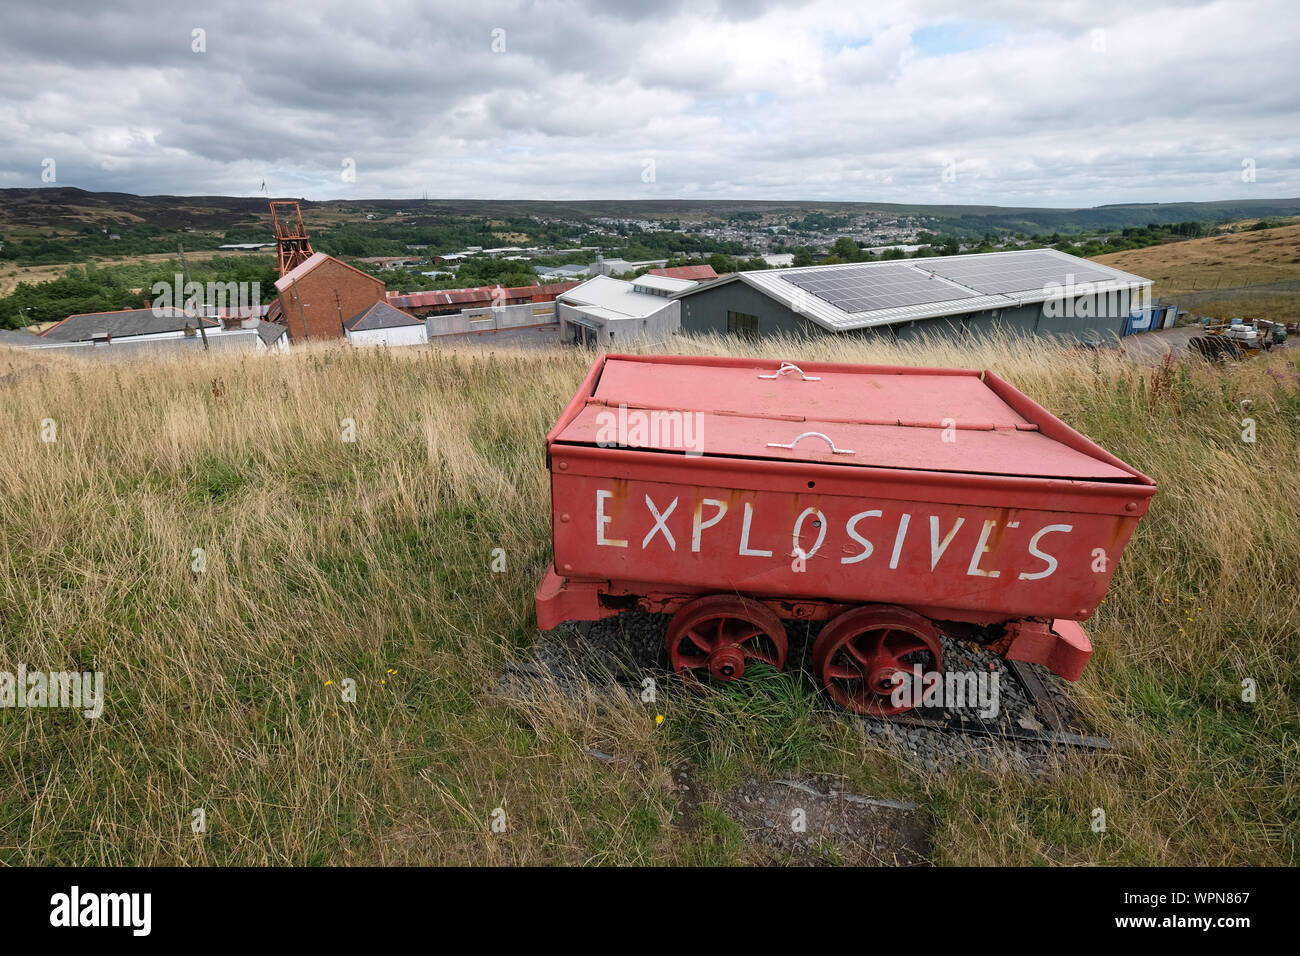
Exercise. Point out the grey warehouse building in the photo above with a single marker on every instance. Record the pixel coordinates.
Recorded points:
(1032, 292)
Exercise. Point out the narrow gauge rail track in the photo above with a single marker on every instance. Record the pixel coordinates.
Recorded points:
(621, 652)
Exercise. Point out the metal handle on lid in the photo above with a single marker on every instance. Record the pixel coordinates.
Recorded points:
(825, 438)
(791, 367)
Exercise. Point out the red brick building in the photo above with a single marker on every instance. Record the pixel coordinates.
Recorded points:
(322, 293)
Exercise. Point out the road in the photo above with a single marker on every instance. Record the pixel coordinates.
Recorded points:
(1151, 347)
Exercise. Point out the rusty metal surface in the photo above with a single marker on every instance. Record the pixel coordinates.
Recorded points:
(1038, 692)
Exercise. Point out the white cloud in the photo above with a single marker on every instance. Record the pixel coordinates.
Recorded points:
(819, 100)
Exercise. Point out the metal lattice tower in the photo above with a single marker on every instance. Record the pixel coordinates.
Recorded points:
(293, 245)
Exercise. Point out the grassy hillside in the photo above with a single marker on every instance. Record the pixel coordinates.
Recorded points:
(11, 275)
(371, 561)
(1227, 261)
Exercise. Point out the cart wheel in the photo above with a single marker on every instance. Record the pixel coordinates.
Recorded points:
(862, 655)
(716, 635)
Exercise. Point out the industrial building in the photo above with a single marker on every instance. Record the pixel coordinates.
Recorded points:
(524, 322)
(147, 331)
(606, 311)
(1035, 292)
(389, 263)
(565, 272)
(139, 324)
(479, 298)
(695, 273)
(618, 267)
(320, 295)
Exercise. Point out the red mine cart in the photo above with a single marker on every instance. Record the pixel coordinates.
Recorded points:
(891, 503)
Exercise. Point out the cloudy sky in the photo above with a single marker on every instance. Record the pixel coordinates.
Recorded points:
(1039, 103)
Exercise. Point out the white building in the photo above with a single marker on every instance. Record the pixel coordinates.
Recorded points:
(565, 272)
(139, 325)
(618, 267)
(128, 332)
(381, 324)
(272, 337)
(607, 311)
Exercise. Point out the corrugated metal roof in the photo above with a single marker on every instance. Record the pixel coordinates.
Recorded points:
(482, 294)
(777, 285)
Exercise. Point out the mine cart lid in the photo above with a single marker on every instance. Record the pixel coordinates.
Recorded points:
(948, 420)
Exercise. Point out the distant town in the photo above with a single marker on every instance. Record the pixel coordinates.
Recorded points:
(83, 271)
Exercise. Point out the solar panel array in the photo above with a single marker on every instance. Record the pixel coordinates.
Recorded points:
(895, 285)
(1016, 272)
(867, 288)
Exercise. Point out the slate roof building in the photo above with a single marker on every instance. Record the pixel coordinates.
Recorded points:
(18, 339)
(381, 324)
(128, 323)
(272, 336)
(147, 332)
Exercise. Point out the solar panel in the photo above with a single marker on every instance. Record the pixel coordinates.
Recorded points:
(885, 286)
(1016, 272)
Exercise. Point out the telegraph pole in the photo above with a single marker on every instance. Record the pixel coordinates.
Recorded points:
(202, 332)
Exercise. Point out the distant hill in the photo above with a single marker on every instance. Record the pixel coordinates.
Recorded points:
(65, 207)
(71, 210)
(1250, 257)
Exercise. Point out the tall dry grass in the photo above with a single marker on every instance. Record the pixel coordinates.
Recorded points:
(370, 560)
